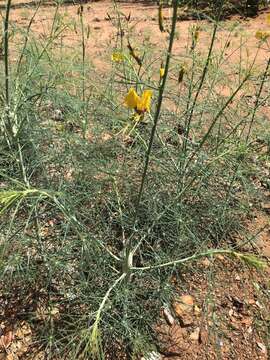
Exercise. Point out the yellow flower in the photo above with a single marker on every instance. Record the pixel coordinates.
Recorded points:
(262, 35)
(140, 104)
(117, 57)
(161, 72)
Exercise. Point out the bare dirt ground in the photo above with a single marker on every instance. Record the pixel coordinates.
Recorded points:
(227, 312)
(100, 16)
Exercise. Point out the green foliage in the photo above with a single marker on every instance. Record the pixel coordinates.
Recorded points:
(121, 196)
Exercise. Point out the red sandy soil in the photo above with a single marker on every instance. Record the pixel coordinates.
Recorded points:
(100, 16)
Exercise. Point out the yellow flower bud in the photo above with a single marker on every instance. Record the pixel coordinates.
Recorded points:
(262, 35)
(117, 57)
(161, 72)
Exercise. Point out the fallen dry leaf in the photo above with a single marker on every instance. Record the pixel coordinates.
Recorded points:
(168, 316)
(197, 310)
(203, 339)
(6, 339)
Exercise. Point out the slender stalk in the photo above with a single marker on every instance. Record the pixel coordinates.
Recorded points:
(189, 258)
(128, 251)
(216, 118)
(258, 99)
(193, 179)
(182, 261)
(159, 104)
(81, 9)
(6, 70)
(93, 342)
(27, 38)
(22, 165)
(205, 70)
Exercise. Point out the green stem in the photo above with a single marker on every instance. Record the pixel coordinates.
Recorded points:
(189, 258)
(205, 69)
(159, 104)
(128, 250)
(258, 99)
(6, 69)
(27, 38)
(81, 9)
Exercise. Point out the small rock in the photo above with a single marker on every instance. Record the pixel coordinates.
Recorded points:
(262, 347)
(197, 310)
(195, 335)
(58, 115)
(237, 278)
(187, 301)
(259, 305)
(183, 308)
(206, 262)
(266, 207)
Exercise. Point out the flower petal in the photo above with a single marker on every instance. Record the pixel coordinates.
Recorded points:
(132, 99)
(161, 72)
(144, 102)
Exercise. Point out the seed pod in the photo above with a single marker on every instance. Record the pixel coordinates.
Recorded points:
(80, 10)
(88, 32)
(195, 36)
(160, 17)
(181, 74)
(134, 55)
